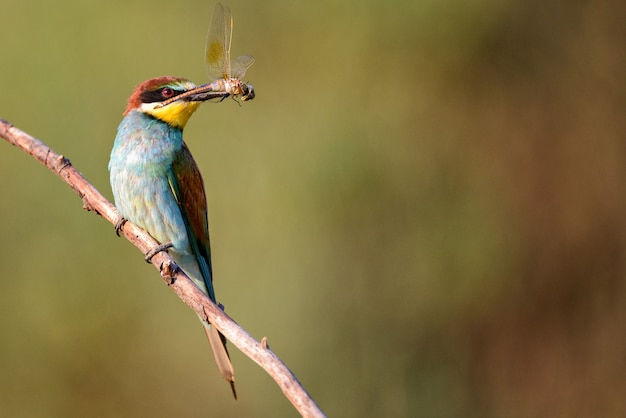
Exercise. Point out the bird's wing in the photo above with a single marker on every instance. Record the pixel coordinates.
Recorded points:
(188, 188)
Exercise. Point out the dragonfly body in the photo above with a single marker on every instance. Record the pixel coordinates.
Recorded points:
(232, 86)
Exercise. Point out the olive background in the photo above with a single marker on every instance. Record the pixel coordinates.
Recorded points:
(423, 210)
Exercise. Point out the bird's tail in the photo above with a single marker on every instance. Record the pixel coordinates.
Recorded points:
(220, 354)
(216, 339)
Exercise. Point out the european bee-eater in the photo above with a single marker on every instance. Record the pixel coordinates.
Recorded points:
(157, 185)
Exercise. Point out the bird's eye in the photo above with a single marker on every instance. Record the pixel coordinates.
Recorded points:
(167, 92)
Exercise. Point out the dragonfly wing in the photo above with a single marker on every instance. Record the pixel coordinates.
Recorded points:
(218, 39)
(240, 65)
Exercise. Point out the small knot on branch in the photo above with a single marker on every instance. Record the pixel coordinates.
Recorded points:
(61, 163)
(264, 344)
(168, 272)
(88, 206)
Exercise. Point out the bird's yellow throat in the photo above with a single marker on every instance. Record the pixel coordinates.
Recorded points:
(176, 114)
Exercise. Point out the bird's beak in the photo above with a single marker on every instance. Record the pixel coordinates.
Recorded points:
(199, 94)
(202, 94)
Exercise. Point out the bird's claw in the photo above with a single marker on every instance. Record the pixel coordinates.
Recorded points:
(119, 225)
(154, 251)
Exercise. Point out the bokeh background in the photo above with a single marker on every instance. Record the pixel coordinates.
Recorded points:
(423, 210)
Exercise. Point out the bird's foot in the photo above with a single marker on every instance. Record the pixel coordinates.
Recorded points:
(119, 225)
(154, 251)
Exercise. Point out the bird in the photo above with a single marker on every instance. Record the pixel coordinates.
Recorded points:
(157, 185)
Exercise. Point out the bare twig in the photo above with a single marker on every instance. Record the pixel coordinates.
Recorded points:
(176, 279)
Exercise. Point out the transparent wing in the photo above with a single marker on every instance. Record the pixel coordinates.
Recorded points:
(218, 39)
(240, 65)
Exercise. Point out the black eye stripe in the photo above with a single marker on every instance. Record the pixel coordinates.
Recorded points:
(157, 95)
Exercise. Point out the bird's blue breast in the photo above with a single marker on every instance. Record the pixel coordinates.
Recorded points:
(142, 155)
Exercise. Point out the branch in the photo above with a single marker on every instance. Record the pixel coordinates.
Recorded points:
(175, 278)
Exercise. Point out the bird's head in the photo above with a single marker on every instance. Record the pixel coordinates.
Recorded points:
(149, 96)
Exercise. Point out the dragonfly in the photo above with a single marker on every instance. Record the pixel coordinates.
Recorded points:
(226, 74)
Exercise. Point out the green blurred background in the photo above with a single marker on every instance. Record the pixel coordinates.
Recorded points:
(423, 210)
